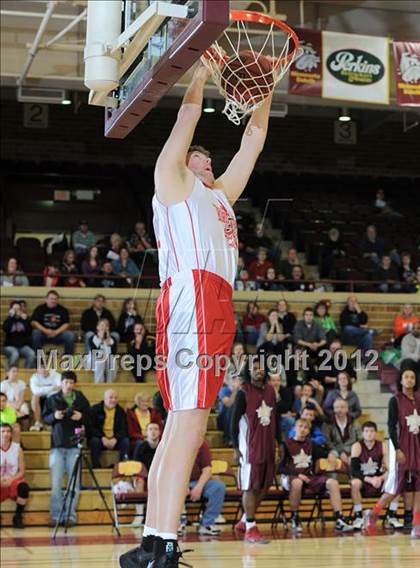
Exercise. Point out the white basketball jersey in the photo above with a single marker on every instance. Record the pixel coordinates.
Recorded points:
(199, 232)
(9, 461)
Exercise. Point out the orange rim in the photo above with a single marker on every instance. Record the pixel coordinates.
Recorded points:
(259, 18)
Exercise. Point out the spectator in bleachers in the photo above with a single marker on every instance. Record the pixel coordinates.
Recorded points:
(108, 428)
(139, 347)
(258, 268)
(300, 370)
(354, 325)
(407, 273)
(8, 416)
(69, 270)
(317, 434)
(332, 250)
(284, 403)
(65, 411)
(91, 267)
(298, 461)
(323, 318)
(157, 402)
(286, 318)
(226, 399)
(128, 317)
(12, 469)
(13, 275)
(146, 448)
(50, 322)
(404, 323)
(108, 279)
(125, 267)
(342, 432)
(43, 383)
(311, 393)
(244, 283)
(239, 266)
(298, 281)
(417, 281)
(51, 275)
(139, 242)
(237, 366)
(345, 392)
(410, 346)
(139, 417)
(91, 317)
(372, 246)
(271, 283)
(286, 265)
(202, 486)
(388, 276)
(259, 240)
(308, 334)
(115, 245)
(382, 205)
(271, 338)
(337, 360)
(18, 339)
(251, 323)
(102, 349)
(14, 389)
(83, 239)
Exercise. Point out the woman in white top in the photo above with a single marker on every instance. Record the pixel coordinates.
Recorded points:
(14, 389)
(103, 348)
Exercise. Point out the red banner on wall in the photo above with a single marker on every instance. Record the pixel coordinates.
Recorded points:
(305, 75)
(407, 72)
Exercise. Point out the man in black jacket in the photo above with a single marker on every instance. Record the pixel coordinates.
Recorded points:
(64, 411)
(91, 317)
(355, 330)
(109, 428)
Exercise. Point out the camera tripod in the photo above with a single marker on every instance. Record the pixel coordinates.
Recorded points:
(75, 477)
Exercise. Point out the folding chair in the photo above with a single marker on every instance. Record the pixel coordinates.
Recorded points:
(221, 468)
(129, 471)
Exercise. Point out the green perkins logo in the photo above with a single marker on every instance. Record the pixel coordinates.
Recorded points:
(355, 66)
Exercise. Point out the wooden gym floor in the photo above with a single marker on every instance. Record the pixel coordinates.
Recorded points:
(94, 547)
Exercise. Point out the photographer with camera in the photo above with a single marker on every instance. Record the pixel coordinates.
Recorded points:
(66, 411)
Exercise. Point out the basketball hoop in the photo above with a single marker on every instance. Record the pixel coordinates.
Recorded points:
(249, 59)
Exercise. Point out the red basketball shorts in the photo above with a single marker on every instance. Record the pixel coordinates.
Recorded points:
(11, 491)
(194, 335)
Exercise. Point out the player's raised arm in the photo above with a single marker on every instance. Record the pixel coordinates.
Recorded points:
(173, 180)
(236, 176)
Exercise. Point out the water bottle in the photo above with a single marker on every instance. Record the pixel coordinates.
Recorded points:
(184, 521)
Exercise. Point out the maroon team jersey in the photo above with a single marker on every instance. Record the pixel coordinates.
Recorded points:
(261, 423)
(408, 429)
(298, 457)
(371, 460)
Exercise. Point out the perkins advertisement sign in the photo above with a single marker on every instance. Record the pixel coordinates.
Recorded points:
(355, 68)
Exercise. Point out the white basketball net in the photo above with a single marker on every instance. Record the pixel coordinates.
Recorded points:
(245, 91)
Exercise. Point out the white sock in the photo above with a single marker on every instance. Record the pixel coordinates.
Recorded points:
(358, 508)
(393, 506)
(243, 518)
(250, 525)
(148, 531)
(167, 536)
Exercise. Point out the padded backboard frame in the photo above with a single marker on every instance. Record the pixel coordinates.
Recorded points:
(210, 21)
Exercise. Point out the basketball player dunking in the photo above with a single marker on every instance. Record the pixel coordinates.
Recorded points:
(198, 252)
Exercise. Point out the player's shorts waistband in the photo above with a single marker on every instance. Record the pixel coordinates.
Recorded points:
(205, 275)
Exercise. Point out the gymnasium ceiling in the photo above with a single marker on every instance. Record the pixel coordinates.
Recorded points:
(63, 66)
